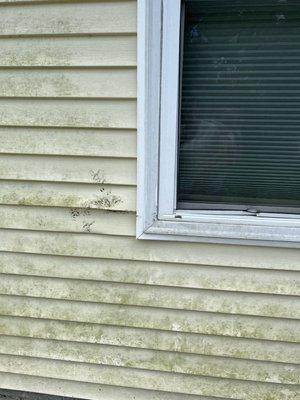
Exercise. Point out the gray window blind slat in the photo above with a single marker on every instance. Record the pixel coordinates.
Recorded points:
(240, 108)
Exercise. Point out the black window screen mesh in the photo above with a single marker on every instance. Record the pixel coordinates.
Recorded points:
(240, 104)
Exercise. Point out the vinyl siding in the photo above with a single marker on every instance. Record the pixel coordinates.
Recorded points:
(86, 310)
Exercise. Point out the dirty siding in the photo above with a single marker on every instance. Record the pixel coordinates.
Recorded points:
(86, 310)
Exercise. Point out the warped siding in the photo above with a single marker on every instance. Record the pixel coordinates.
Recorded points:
(86, 310)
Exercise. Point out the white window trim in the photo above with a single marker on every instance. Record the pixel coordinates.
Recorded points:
(158, 93)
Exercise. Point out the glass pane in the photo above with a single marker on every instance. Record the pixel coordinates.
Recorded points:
(240, 111)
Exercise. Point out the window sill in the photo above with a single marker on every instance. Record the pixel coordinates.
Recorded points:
(241, 230)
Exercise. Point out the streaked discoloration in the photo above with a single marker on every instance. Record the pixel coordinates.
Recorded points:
(83, 303)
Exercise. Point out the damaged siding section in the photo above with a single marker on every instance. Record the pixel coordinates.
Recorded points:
(86, 310)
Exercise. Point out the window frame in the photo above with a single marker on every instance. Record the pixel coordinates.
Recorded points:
(159, 43)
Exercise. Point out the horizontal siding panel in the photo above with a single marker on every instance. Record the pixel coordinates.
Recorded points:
(123, 248)
(69, 18)
(178, 383)
(68, 169)
(97, 51)
(152, 296)
(26, 2)
(44, 2)
(89, 391)
(69, 113)
(182, 342)
(152, 318)
(76, 290)
(76, 220)
(67, 141)
(68, 195)
(81, 83)
(152, 360)
(129, 271)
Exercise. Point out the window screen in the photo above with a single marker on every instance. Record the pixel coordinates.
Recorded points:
(239, 144)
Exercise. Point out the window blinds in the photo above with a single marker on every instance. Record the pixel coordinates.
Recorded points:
(239, 141)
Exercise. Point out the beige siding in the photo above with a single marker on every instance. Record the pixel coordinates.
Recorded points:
(105, 17)
(86, 310)
(66, 141)
(75, 83)
(92, 170)
(57, 51)
(118, 114)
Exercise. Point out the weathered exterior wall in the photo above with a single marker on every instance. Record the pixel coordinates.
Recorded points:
(19, 395)
(86, 310)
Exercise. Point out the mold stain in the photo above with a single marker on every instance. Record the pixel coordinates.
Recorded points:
(43, 56)
(103, 199)
(75, 212)
(87, 226)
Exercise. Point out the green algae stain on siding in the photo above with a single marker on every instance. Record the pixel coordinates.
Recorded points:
(61, 195)
(32, 84)
(40, 199)
(41, 55)
(181, 345)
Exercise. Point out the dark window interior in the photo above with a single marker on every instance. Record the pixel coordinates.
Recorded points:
(20, 395)
(240, 107)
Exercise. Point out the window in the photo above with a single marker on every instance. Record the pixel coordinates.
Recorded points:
(219, 121)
